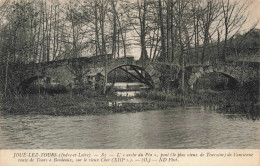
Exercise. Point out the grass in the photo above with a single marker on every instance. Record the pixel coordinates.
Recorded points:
(202, 96)
(242, 102)
(70, 104)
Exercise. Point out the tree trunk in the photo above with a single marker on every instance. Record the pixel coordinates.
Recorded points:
(163, 54)
(114, 30)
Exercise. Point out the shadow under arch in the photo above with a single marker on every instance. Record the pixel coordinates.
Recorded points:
(141, 77)
(23, 85)
(232, 83)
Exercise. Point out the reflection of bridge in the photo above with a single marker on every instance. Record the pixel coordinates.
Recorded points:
(69, 71)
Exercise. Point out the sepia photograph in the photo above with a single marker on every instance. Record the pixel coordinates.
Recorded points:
(129, 74)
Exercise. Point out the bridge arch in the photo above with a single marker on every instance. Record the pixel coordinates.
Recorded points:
(145, 77)
(25, 83)
(232, 80)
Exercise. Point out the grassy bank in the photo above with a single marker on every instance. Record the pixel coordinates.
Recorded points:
(71, 104)
(228, 102)
(201, 97)
(90, 103)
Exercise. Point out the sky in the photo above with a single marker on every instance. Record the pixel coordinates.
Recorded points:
(254, 13)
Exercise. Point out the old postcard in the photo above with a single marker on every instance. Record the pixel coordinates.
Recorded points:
(129, 82)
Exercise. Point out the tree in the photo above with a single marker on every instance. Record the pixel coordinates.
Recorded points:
(209, 14)
(160, 20)
(234, 16)
(142, 10)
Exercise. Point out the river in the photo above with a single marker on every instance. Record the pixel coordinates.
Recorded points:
(177, 128)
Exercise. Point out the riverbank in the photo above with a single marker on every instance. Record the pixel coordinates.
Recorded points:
(228, 102)
(201, 97)
(90, 103)
(73, 104)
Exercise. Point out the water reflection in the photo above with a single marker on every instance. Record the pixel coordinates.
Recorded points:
(128, 101)
(128, 86)
(127, 93)
(180, 127)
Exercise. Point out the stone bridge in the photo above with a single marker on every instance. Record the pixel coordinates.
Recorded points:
(70, 71)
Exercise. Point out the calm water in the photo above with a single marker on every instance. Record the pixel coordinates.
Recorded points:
(193, 127)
